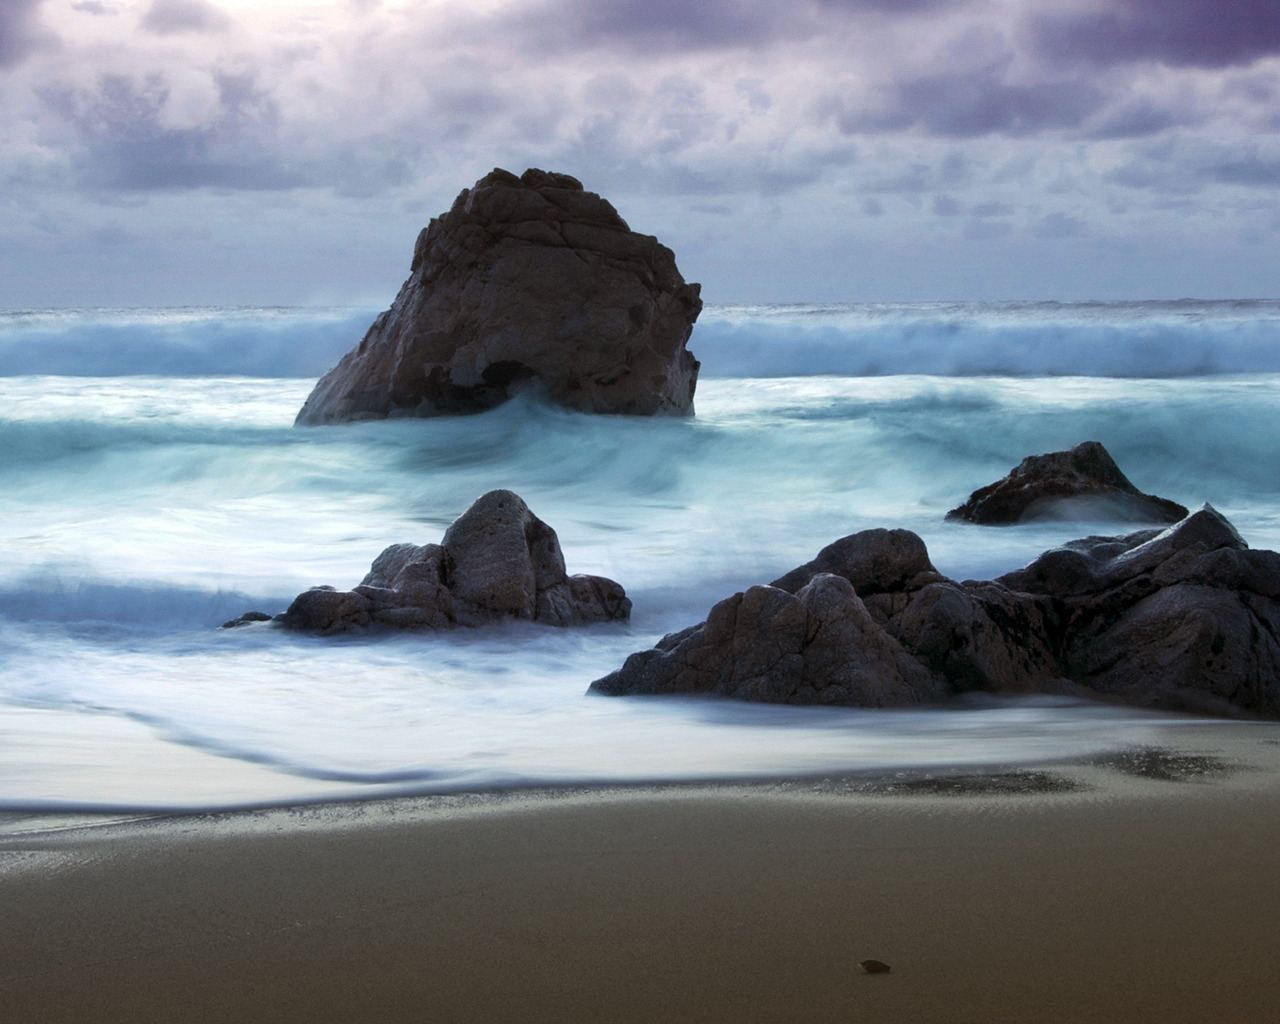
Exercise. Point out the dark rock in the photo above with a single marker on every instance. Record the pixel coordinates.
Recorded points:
(498, 555)
(527, 281)
(578, 600)
(326, 610)
(981, 636)
(1185, 648)
(1082, 483)
(819, 646)
(497, 560)
(874, 561)
(1184, 619)
(248, 618)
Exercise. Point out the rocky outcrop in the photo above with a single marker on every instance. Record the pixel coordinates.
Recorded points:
(497, 560)
(1186, 618)
(527, 282)
(1081, 483)
(818, 646)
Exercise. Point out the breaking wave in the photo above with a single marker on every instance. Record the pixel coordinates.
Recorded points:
(1018, 339)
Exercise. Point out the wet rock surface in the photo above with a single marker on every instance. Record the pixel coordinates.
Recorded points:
(1186, 619)
(526, 282)
(498, 560)
(1083, 482)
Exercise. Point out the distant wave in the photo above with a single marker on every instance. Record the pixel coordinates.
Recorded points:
(150, 604)
(1019, 339)
(193, 342)
(1026, 339)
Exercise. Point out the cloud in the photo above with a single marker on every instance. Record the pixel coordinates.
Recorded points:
(991, 210)
(680, 25)
(950, 172)
(982, 230)
(172, 17)
(1136, 119)
(648, 25)
(916, 120)
(1056, 226)
(128, 147)
(980, 102)
(20, 31)
(898, 7)
(1179, 33)
(1253, 171)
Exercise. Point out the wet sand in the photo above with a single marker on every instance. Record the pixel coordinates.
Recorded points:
(1141, 887)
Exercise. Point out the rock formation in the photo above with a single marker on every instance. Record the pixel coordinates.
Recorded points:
(1185, 619)
(1083, 483)
(527, 281)
(497, 560)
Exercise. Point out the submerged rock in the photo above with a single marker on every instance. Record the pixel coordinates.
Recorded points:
(247, 619)
(527, 281)
(1083, 482)
(1186, 618)
(497, 560)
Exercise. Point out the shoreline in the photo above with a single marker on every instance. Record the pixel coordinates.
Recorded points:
(1140, 887)
(906, 777)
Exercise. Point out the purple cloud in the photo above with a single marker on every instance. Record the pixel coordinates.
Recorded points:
(675, 25)
(20, 33)
(1180, 33)
(170, 17)
(1252, 170)
(127, 148)
(655, 24)
(971, 104)
(1058, 225)
(1133, 120)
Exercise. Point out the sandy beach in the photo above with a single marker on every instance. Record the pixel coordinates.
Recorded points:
(1139, 887)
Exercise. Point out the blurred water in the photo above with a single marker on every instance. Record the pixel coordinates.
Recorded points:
(139, 512)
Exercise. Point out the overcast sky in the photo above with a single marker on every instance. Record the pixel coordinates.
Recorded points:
(191, 151)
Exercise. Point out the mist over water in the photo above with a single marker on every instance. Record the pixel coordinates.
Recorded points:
(138, 512)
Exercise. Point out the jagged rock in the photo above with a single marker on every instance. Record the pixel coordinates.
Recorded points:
(980, 636)
(874, 561)
(527, 281)
(818, 646)
(1081, 483)
(497, 560)
(1186, 618)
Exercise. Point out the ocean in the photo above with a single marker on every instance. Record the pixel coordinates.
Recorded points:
(152, 486)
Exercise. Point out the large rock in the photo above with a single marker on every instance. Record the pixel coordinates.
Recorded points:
(1081, 483)
(526, 282)
(1186, 618)
(818, 646)
(497, 560)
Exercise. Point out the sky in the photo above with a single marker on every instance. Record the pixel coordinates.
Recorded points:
(171, 152)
